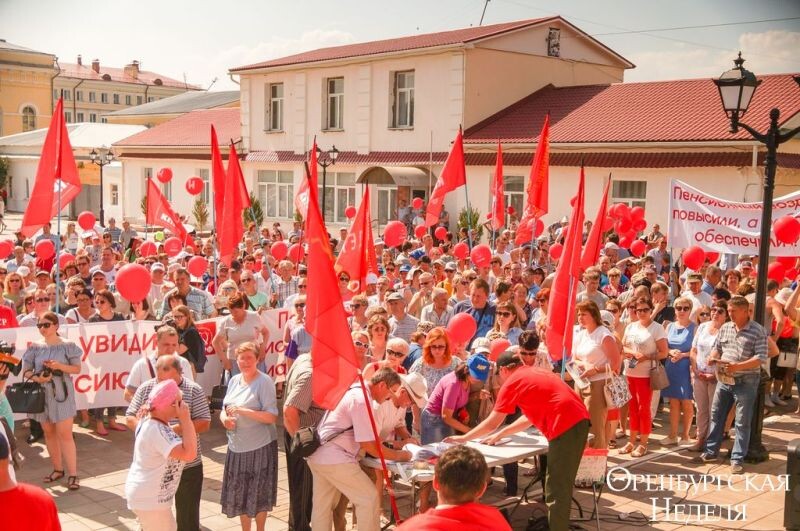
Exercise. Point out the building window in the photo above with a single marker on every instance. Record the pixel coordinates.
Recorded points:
(104, 120)
(205, 195)
(338, 196)
(273, 110)
(276, 193)
(115, 99)
(78, 95)
(92, 97)
(92, 117)
(67, 95)
(335, 103)
(80, 117)
(554, 42)
(138, 100)
(104, 97)
(632, 193)
(68, 117)
(28, 119)
(403, 105)
(166, 189)
(55, 94)
(114, 193)
(127, 99)
(514, 193)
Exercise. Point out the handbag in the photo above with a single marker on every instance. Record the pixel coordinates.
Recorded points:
(787, 359)
(305, 441)
(658, 375)
(218, 393)
(616, 390)
(26, 396)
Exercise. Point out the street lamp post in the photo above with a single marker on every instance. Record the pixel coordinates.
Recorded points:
(736, 88)
(102, 156)
(325, 159)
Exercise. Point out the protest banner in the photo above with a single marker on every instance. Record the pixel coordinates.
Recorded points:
(109, 350)
(698, 218)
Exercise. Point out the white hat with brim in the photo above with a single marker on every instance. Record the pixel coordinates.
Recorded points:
(417, 388)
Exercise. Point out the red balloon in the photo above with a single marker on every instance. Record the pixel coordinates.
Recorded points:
(164, 175)
(712, 257)
(461, 328)
(440, 233)
(637, 213)
(394, 233)
(86, 220)
(133, 282)
(694, 257)
(787, 229)
(197, 265)
(538, 228)
(45, 249)
(296, 253)
(626, 240)
(791, 273)
(417, 203)
(555, 251)
(481, 255)
(172, 246)
(638, 247)
(488, 215)
(608, 223)
(787, 261)
(350, 212)
(497, 347)
(420, 230)
(6, 248)
(639, 225)
(64, 259)
(148, 249)
(461, 250)
(622, 225)
(278, 250)
(511, 210)
(194, 185)
(619, 210)
(776, 271)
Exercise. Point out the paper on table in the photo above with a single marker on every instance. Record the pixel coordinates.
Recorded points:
(429, 451)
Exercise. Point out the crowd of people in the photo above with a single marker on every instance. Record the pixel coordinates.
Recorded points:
(634, 316)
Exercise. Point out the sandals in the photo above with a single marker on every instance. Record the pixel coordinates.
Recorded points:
(612, 444)
(54, 476)
(72, 483)
(640, 451)
(117, 427)
(628, 448)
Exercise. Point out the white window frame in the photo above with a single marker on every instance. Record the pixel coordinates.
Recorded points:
(513, 193)
(273, 107)
(334, 104)
(115, 98)
(166, 189)
(78, 95)
(341, 188)
(275, 192)
(92, 96)
(79, 117)
(113, 194)
(128, 99)
(68, 117)
(104, 97)
(139, 100)
(631, 192)
(92, 117)
(67, 95)
(28, 118)
(204, 174)
(406, 93)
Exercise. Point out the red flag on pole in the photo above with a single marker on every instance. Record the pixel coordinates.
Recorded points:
(537, 203)
(217, 176)
(563, 291)
(334, 361)
(498, 203)
(454, 174)
(301, 198)
(56, 169)
(241, 186)
(160, 213)
(357, 257)
(594, 242)
(230, 226)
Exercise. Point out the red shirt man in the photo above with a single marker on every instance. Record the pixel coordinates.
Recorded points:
(35, 507)
(8, 318)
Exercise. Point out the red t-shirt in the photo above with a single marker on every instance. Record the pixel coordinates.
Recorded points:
(39, 512)
(8, 318)
(467, 517)
(550, 404)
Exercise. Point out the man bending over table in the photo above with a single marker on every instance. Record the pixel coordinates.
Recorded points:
(554, 409)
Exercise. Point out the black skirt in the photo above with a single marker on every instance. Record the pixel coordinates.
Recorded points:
(250, 481)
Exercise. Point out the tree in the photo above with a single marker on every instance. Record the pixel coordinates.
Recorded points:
(200, 212)
(143, 205)
(4, 165)
(256, 211)
(471, 218)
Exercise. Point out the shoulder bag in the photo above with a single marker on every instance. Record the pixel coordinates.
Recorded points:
(616, 390)
(26, 396)
(658, 375)
(218, 393)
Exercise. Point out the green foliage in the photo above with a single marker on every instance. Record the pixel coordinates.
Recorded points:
(200, 212)
(143, 205)
(256, 211)
(4, 165)
(471, 218)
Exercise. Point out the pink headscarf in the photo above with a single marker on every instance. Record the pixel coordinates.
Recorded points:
(163, 395)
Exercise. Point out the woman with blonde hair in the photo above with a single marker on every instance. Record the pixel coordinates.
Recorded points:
(506, 321)
(190, 344)
(460, 289)
(378, 332)
(14, 291)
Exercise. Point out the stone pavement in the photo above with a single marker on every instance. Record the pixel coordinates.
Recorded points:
(103, 464)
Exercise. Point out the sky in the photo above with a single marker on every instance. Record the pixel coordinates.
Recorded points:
(199, 40)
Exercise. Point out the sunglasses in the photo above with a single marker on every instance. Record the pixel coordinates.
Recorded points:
(15, 280)
(300, 305)
(538, 299)
(43, 299)
(705, 314)
(394, 353)
(100, 301)
(43, 325)
(344, 279)
(717, 310)
(527, 352)
(504, 314)
(354, 306)
(642, 310)
(438, 347)
(359, 344)
(302, 286)
(683, 308)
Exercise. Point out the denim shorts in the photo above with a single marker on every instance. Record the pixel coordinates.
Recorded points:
(433, 428)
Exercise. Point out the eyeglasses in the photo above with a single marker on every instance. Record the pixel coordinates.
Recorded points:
(344, 279)
(613, 276)
(100, 301)
(43, 325)
(300, 305)
(14, 280)
(527, 352)
(504, 314)
(424, 283)
(683, 308)
(642, 310)
(359, 344)
(705, 314)
(717, 310)
(302, 286)
(395, 354)
(43, 299)
(390, 270)
(247, 280)
(355, 306)
(613, 310)
(83, 299)
(438, 347)
(541, 299)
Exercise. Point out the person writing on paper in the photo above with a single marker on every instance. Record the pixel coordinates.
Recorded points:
(460, 479)
(554, 409)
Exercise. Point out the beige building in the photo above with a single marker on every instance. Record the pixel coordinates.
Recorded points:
(26, 87)
(92, 90)
(160, 111)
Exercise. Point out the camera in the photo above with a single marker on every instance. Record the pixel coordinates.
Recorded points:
(5, 348)
(7, 358)
(46, 372)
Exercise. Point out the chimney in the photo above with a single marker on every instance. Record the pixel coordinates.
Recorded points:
(96, 65)
(80, 62)
(132, 69)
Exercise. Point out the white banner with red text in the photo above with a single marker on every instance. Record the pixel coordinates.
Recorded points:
(698, 218)
(109, 350)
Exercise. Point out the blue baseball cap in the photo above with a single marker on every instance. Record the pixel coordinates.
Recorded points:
(478, 366)
(405, 268)
(417, 254)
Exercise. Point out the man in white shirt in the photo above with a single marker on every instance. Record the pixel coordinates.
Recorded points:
(696, 294)
(145, 368)
(438, 312)
(344, 432)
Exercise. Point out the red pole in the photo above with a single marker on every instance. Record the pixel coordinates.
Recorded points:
(386, 478)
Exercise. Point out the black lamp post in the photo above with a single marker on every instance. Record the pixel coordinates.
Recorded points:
(736, 89)
(325, 159)
(102, 156)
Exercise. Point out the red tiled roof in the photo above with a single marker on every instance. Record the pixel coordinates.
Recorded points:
(658, 111)
(118, 74)
(400, 44)
(192, 129)
(388, 158)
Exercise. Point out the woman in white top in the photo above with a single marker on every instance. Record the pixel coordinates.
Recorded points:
(595, 352)
(71, 238)
(83, 309)
(704, 378)
(241, 326)
(644, 343)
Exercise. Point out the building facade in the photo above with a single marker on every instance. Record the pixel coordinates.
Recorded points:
(26, 85)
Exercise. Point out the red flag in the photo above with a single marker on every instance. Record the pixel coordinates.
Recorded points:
(56, 170)
(358, 252)
(334, 358)
(454, 174)
(498, 203)
(217, 176)
(241, 186)
(160, 213)
(230, 227)
(538, 186)
(301, 198)
(564, 289)
(595, 240)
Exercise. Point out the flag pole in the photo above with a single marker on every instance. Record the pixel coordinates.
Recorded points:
(58, 245)
(469, 215)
